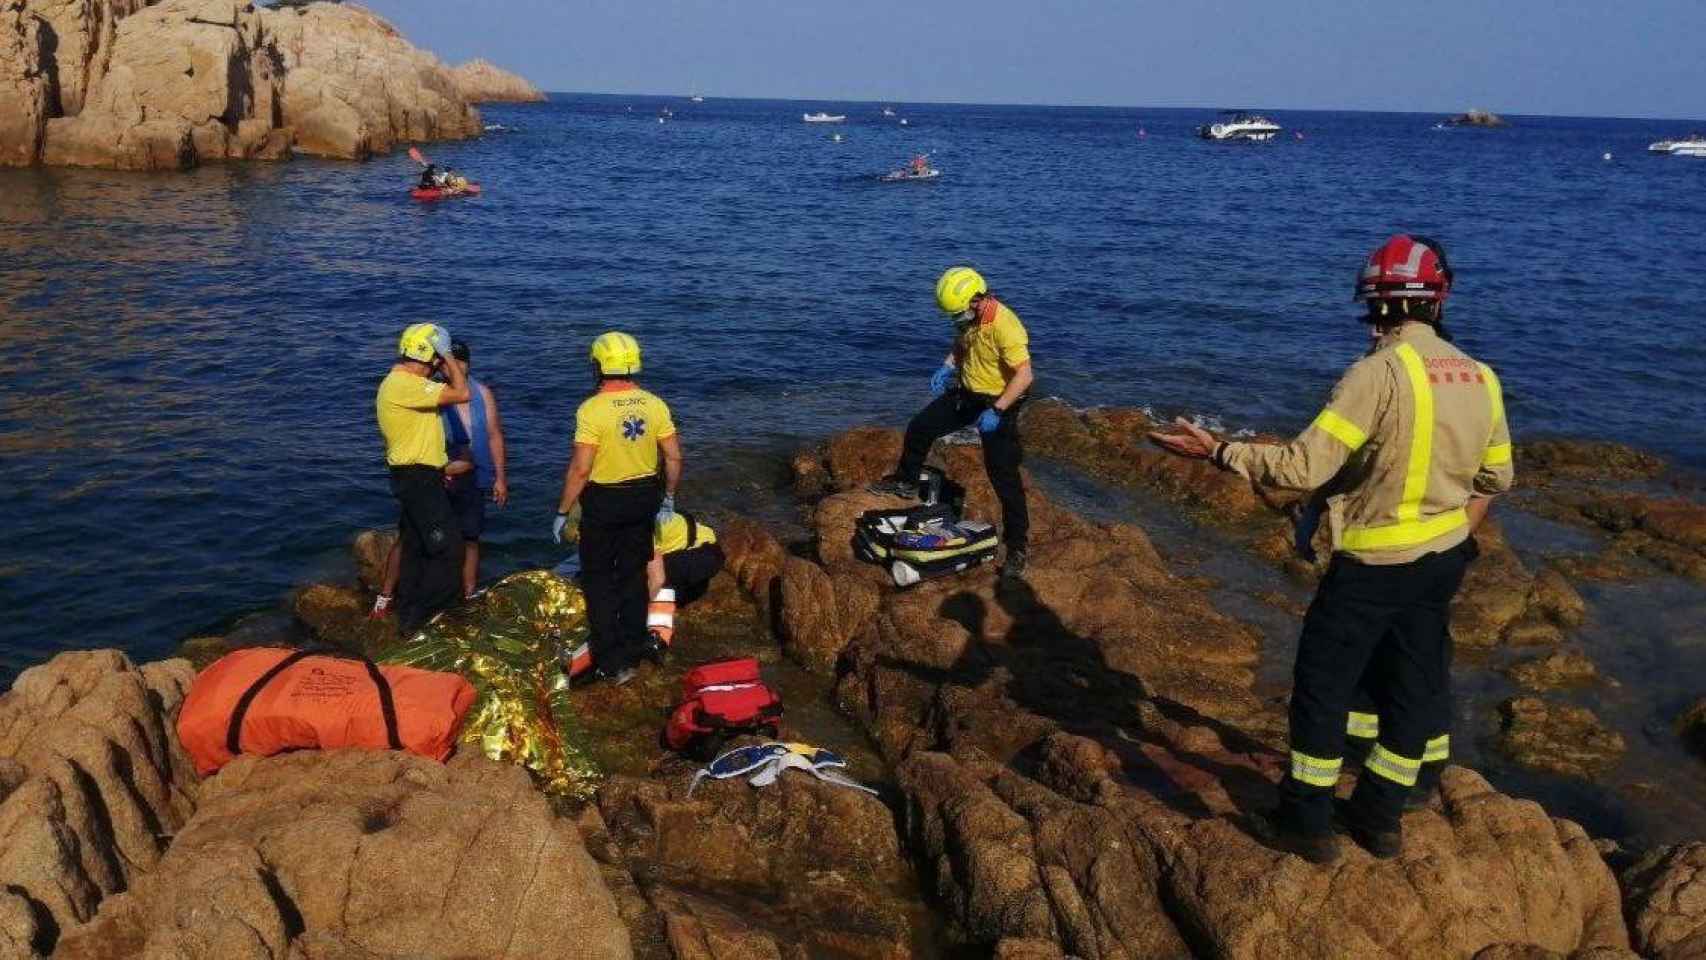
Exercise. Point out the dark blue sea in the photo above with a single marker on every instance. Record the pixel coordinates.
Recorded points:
(188, 361)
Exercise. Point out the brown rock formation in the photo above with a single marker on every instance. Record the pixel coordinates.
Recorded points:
(124, 84)
(1564, 668)
(1083, 765)
(1478, 118)
(1666, 891)
(94, 785)
(481, 82)
(365, 854)
(1558, 738)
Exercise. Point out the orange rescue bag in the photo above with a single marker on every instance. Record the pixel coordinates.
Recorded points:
(266, 700)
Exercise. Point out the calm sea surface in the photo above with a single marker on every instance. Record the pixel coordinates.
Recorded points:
(187, 362)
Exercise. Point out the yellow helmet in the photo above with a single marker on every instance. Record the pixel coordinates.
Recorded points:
(423, 342)
(616, 354)
(956, 288)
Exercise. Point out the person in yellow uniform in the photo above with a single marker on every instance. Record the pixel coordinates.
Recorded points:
(429, 537)
(1412, 447)
(624, 473)
(685, 556)
(983, 380)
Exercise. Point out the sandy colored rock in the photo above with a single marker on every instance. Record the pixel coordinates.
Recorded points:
(823, 613)
(370, 549)
(482, 82)
(1553, 671)
(1558, 737)
(324, 854)
(94, 782)
(339, 616)
(24, 103)
(1665, 897)
(353, 87)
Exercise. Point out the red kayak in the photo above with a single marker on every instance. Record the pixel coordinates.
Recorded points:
(445, 193)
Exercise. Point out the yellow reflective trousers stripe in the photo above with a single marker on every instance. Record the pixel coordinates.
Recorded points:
(1363, 726)
(1315, 771)
(1439, 748)
(1410, 530)
(1399, 770)
(1340, 429)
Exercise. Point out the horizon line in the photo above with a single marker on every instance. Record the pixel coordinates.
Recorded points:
(1111, 106)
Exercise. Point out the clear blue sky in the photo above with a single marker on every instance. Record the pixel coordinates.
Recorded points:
(1641, 58)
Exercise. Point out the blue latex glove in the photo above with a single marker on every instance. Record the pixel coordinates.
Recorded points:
(666, 512)
(557, 527)
(940, 380)
(990, 421)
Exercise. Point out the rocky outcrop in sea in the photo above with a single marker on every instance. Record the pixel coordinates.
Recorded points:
(128, 85)
(482, 82)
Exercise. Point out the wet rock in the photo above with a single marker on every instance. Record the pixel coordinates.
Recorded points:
(1554, 671)
(811, 477)
(338, 616)
(816, 866)
(1691, 725)
(331, 854)
(754, 559)
(93, 782)
(481, 82)
(1558, 737)
(1539, 461)
(1670, 533)
(1665, 898)
(824, 613)
(370, 551)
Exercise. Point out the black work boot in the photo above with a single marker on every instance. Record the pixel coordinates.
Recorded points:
(895, 485)
(1014, 568)
(1382, 844)
(1318, 847)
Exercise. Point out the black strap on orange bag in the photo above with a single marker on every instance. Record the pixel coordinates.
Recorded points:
(387, 705)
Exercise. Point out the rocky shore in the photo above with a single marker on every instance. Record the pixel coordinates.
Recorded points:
(1076, 767)
(131, 85)
(482, 82)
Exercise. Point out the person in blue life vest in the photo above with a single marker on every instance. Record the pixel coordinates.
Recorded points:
(477, 471)
(623, 476)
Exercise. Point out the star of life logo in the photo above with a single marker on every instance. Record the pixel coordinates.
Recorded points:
(633, 428)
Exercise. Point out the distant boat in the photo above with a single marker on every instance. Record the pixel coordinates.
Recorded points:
(696, 99)
(1240, 125)
(888, 111)
(821, 117)
(1693, 145)
(903, 121)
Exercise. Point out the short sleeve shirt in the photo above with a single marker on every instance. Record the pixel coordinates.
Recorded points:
(625, 426)
(407, 407)
(988, 353)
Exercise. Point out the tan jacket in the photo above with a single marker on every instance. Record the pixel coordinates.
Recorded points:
(1418, 428)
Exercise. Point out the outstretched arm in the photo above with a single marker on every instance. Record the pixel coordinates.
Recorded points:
(670, 447)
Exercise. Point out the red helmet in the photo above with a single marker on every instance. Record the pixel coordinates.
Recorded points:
(1405, 268)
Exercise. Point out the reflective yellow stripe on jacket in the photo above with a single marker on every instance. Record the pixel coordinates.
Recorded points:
(1497, 454)
(1410, 529)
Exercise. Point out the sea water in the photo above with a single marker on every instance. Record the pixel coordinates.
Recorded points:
(188, 361)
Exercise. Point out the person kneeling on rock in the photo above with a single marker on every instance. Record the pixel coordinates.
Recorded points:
(1414, 444)
(685, 556)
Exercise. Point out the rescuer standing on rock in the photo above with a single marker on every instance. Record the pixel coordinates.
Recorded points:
(982, 381)
(1415, 441)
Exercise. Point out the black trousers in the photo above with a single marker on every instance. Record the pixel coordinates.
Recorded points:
(616, 545)
(1002, 453)
(429, 570)
(1385, 629)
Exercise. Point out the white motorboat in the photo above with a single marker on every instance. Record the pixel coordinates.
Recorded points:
(1693, 145)
(821, 117)
(888, 111)
(696, 99)
(1239, 125)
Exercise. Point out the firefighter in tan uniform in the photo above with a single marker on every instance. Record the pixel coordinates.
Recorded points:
(1414, 443)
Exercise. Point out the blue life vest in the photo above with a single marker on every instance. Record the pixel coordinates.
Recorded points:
(457, 435)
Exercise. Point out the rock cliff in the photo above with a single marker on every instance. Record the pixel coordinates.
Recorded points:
(128, 85)
(482, 82)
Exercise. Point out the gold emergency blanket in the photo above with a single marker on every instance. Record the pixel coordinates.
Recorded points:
(510, 643)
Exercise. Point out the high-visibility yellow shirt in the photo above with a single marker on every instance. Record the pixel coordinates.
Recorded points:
(988, 353)
(1410, 434)
(625, 425)
(407, 406)
(672, 536)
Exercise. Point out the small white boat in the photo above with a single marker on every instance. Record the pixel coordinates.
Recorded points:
(900, 176)
(1240, 125)
(821, 117)
(903, 121)
(888, 111)
(1693, 145)
(696, 99)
